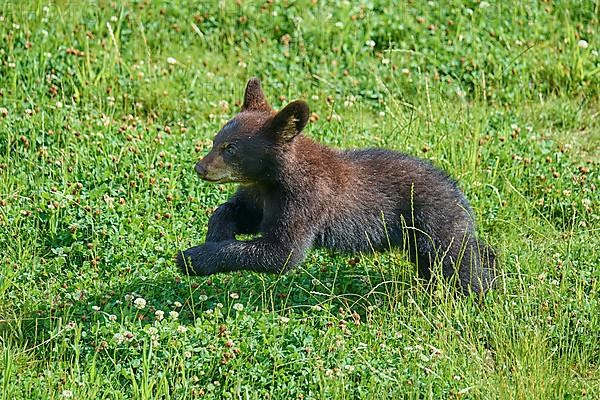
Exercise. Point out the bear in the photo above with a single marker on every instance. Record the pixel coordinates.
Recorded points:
(296, 194)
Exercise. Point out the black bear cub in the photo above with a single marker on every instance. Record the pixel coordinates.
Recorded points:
(298, 194)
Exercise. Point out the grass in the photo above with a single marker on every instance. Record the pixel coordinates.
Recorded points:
(104, 108)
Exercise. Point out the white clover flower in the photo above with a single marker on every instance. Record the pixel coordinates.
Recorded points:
(583, 44)
(129, 336)
(159, 315)
(187, 354)
(67, 394)
(112, 317)
(140, 303)
(118, 337)
(181, 329)
(171, 61)
(284, 320)
(203, 297)
(586, 202)
(234, 295)
(219, 305)
(173, 314)
(177, 304)
(385, 61)
(370, 43)
(152, 331)
(95, 308)
(128, 297)
(484, 4)
(238, 306)
(209, 311)
(70, 326)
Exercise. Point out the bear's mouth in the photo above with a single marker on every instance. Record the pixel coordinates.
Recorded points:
(216, 180)
(222, 179)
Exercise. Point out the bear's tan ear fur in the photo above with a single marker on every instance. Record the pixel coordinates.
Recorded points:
(254, 98)
(290, 121)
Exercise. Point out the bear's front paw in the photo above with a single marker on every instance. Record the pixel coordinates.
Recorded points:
(184, 263)
(198, 260)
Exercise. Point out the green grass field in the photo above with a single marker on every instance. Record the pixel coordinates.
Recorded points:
(105, 107)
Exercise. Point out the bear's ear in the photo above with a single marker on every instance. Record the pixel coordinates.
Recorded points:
(290, 121)
(254, 98)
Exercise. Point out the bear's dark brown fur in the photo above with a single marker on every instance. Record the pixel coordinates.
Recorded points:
(298, 193)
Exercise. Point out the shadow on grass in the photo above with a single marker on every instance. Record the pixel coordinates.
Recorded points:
(325, 282)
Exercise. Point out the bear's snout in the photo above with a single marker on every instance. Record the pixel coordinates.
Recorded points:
(200, 170)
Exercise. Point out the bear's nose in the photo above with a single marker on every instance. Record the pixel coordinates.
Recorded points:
(200, 170)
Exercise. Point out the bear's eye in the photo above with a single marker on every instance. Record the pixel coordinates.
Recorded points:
(229, 149)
